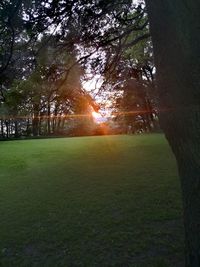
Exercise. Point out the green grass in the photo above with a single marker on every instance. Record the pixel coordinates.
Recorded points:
(90, 201)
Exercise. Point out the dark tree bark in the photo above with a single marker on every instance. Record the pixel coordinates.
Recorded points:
(48, 118)
(2, 128)
(175, 30)
(7, 128)
(28, 127)
(35, 121)
(55, 119)
(16, 128)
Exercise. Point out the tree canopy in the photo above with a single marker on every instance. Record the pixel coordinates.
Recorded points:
(54, 43)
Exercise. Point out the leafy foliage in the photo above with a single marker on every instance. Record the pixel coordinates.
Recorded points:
(52, 42)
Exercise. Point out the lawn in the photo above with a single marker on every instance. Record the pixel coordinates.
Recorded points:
(90, 201)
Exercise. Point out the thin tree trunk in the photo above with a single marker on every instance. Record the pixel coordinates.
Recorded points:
(175, 29)
(40, 124)
(48, 118)
(7, 129)
(2, 129)
(55, 118)
(28, 127)
(59, 123)
(150, 113)
(35, 121)
(16, 128)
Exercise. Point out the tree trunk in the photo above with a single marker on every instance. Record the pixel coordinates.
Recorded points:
(59, 123)
(150, 114)
(183, 135)
(40, 125)
(35, 121)
(55, 118)
(48, 118)
(2, 129)
(28, 127)
(7, 128)
(175, 30)
(16, 128)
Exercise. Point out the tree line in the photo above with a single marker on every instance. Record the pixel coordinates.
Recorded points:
(44, 59)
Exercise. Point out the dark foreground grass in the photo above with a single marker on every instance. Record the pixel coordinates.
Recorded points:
(91, 201)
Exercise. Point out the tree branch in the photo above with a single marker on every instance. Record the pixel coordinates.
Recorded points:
(137, 40)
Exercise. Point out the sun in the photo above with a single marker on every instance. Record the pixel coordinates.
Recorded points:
(96, 115)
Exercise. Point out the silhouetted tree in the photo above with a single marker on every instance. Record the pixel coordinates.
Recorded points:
(176, 38)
